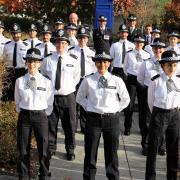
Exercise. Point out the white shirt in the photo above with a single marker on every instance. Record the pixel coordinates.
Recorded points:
(40, 99)
(148, 49)
(3, 41)
(131, 64)
(147, 70)
(116, 52)
(51, 48)
(73, 41)
(158, 95)
(88, 54)
(36, 41)
(22, 48)
(112, 99)
(70, 72)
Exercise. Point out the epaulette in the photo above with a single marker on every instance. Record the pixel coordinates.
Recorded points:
(8, 42)
(89, 75)
(146, 59)
(37, 44)
(146, 51)
(178, 75)
(91, 48)
(155, 77)
(71, 48)
(129, 51)
(74, 56)
(25, 40)
(25, 43)
(46, 76)
(48, 55)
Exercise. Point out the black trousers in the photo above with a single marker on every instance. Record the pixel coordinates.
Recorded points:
(9, 82)
(120, 73)
(109, 126)
(134, 88)
(28, 121)
(65, 109)
(163, 122)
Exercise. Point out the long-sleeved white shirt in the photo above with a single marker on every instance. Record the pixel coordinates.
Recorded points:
(114, 98)
(40, 99)
(3, 41)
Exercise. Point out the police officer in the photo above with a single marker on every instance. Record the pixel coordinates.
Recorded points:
(163, 101)
(156, 33)
(34, 101)
(147, 70)
(86, 65)
(102, 36)
(133, 30)
(103, 96)
(58, 24)
(64, 72)
(118, 51)
(46, 47)
(147, 34)
(132, 62)
(14, 51)
(3, 39)
(33, 40)
(71, 29)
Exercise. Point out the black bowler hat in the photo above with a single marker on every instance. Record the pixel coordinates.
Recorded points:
(33, 27)
(169, 56)
(132, 17)
(71, 26)
(2, 24)
(46, 29)
(61, 35)
(16, 28)
(174, 34)
(158, 43)
(102, 18)
(101, 55)
(139, 39)
(82, 32)
(33, 54)
(58, 21)
(123, 28)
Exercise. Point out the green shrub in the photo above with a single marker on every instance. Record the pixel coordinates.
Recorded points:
(8, 120)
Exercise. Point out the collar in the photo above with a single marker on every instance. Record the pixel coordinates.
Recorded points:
(122, 40)
(106, 75)
(165, 77)
(33, 39)
(36, 76)
(138, 51)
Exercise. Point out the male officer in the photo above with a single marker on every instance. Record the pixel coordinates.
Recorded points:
(46, 47)
(133, 30)
(102, 36)
(14, 51)
(34, 101)
(3, 39)
(147, 34)
(33, 40)
(132, 62)
(86, 65)
(163, 101)
(64, 72)
(118, 51)
(103, 96)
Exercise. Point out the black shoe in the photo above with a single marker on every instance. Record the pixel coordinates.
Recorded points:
(162, 152)
(127, 132)
(144, 151)
(70, 157)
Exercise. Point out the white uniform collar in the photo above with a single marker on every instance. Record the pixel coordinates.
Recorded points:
(35, 76)
(106, 75)
(165, 77)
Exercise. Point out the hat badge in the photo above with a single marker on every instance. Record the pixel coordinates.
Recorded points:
(32, 26)
(33, 53)
(45, 27)
(103, 53)
(15, 27)
(83, 30)
(61, 32)
(123, 27)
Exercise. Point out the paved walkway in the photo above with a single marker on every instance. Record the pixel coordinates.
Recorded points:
(132, 163)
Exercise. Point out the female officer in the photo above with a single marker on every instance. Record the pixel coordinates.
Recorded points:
(103, 96)
(163, 101)
(34, 100)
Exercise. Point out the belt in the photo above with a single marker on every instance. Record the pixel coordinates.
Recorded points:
(102, 115)
(166, 110)
(36, 111)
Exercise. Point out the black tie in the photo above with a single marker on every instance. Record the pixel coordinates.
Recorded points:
(58, 75)
(123, 52)
(32, 43)
(82, 63)
(171, 86)
(102, 83)
(45, 50)
(15, 55)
